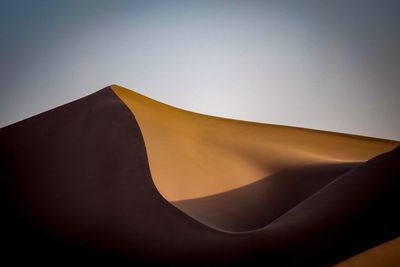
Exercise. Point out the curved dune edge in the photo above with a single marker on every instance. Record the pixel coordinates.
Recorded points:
(168, 127)
(384, 255)
(212, 155)
(256, 205)
(236, 175)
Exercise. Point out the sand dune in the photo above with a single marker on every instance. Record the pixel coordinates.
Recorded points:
(214, 155)
(116, 177)
(255, 205)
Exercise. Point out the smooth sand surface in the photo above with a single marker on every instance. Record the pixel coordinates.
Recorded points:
(255, 205)
(212, 155)
(199, 163)
(385, 255)
(226, 173)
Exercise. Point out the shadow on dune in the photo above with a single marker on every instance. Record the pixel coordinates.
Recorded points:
(255, 205)
(355, 212)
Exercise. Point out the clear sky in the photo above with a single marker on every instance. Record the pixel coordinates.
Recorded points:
(329, 65)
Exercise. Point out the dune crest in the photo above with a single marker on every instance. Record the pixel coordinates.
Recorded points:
(213, 155)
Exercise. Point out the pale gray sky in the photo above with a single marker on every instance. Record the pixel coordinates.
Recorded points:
(329, 65)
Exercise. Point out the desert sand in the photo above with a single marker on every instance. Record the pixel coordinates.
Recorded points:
(238, 175)
(385, 255)
(208, 165)
(116, 177)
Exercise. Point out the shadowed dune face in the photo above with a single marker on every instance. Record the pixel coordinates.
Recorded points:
(222, 171)
(255, 205)
(76, 186)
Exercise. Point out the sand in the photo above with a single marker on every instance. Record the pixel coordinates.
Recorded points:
(117, 177)
(239, 175)
(195, 156)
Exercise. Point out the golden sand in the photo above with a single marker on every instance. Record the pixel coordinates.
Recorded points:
(193, 155)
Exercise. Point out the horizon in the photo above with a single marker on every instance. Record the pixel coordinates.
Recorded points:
(325, 66)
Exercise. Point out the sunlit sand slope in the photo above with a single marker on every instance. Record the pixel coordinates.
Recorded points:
(238, 175)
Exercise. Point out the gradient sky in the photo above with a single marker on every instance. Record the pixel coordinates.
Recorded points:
(329, 65)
